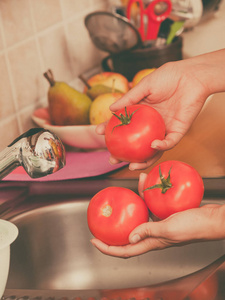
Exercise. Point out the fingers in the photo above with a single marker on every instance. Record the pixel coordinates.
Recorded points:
(133, 96)
(169, 142)
(146, 230)
(113, 160)
(129, 250)
(145, 165)
(144, 238)
(100, 129)
(120, 251)
(141, 182)
(138, 166)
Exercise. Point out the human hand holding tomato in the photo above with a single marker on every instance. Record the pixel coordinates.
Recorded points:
(189, 225)
(193, 225)
(174, 92)
(130, 132)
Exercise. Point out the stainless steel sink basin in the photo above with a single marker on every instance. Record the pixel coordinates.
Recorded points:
(53, 249)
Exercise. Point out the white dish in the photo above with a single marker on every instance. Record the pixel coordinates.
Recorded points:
(79, 136)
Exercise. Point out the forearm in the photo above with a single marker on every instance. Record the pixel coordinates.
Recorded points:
(209, 68)
(215, 227)
(219, 222)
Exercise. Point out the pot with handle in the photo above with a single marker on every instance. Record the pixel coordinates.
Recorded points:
(128, 63)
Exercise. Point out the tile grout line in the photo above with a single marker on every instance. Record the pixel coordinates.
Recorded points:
(14, 94)
(36, 36)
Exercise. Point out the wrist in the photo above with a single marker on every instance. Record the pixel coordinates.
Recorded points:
(216, 222)
(220, 222)
(209, 68)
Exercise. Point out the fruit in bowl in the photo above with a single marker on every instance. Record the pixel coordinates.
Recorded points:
(111, 80)
(141, 74)
(78, 136)
(99, 111)
(67, 106)
(97, 89)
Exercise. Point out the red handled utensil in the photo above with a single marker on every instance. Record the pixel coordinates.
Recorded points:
(157, 11)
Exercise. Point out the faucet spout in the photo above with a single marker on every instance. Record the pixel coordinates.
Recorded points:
(39, 151)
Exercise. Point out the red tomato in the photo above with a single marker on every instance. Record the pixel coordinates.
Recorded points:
(179, 188)
(113, 213)
(131, 130)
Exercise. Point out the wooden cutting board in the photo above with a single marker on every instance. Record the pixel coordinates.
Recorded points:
(203, 147)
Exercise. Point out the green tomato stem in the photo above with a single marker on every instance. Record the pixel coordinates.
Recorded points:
(124, 119)
(165, 184)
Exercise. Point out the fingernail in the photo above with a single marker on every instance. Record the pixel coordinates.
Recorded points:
(92, 242)
(135, 239)
(111, 161)
(111, 107)
(154, 146)
(141, 176)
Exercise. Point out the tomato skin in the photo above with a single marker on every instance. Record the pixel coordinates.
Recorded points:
(113, 213)
(132, 142)
(186, 192)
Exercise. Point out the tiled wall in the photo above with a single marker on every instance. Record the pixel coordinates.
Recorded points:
(39, 34)
(36, 35)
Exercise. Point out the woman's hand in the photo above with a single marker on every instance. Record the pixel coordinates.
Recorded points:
(177, 93)
(198, 224)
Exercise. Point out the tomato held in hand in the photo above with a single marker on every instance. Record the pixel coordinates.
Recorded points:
(172, 186)
(113, 213)
(131, 131)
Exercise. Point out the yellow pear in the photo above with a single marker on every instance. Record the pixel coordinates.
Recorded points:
(99, 111)
(67, 106)
(98, 89)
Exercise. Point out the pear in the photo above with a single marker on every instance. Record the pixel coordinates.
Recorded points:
(98, 89)
(67, 106)
(99, 111)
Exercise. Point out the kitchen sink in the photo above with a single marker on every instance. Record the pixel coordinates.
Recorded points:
(53, 249)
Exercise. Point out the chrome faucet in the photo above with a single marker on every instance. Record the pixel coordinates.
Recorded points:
(39, 151)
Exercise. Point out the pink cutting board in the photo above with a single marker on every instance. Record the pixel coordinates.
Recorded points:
(78, 165)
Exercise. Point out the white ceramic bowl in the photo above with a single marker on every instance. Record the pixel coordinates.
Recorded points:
(79, 136)
(8, 233)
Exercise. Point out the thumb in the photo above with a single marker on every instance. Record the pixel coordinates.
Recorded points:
(169, 142)
(145, 230)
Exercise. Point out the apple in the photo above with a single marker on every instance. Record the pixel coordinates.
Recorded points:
(99, 110)
(110, 79)
(141, 74)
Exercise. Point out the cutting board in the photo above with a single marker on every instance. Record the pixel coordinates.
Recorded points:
(78, 165)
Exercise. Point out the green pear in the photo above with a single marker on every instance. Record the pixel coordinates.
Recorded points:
(67, 106)
(98, 89)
